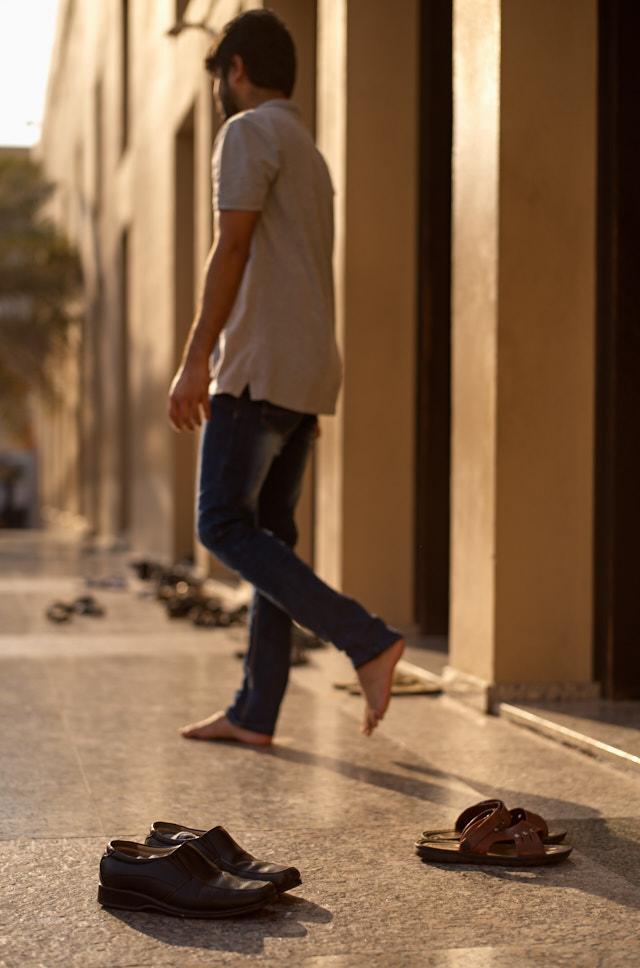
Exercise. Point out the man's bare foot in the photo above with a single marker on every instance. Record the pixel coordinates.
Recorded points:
(219, 726)
(375, 679)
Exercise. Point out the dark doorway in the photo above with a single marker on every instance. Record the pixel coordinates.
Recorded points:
(434, 321)
(617, 526)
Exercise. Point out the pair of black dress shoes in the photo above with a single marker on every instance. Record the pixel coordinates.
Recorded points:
(190, 873)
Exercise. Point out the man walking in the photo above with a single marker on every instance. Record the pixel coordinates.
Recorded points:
(266, 314)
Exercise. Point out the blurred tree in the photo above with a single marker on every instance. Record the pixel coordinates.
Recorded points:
(40, 285)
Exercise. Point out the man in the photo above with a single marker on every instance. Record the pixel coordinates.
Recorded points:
(266, 310)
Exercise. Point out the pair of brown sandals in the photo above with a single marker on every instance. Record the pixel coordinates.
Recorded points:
(489, 833)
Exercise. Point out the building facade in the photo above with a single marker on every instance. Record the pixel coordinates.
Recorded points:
(459, 490)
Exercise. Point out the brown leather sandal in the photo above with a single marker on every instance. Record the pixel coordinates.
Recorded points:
(478, 808)
(496, 836)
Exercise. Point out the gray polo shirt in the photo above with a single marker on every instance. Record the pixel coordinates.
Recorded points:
(279, 338)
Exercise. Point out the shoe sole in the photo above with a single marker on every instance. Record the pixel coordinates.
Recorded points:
(132, 901)
(452, 855)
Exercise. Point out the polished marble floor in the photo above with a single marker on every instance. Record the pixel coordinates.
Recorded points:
(89, 751)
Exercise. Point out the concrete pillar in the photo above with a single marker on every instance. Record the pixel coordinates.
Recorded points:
(331, 135)
(523, 296)
(366, 126)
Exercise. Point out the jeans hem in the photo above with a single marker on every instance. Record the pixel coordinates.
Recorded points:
(254, 729)
(393, 636)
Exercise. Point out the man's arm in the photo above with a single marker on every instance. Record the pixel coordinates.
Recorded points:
(189, 392)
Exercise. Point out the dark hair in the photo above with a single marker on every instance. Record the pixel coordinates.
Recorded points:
(265, 46)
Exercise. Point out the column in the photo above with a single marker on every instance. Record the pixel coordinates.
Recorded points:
(524, 224)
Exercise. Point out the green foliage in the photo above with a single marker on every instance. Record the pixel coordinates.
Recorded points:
(40, 278)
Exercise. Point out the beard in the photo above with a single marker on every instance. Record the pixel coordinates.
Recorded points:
(226, 102)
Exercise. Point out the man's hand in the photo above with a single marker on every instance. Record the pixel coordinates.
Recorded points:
(189, 396)
(189, 393)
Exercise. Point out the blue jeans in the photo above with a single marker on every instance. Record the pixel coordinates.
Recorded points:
(252, 461)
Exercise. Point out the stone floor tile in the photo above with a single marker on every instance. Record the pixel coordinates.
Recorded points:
(89, 751)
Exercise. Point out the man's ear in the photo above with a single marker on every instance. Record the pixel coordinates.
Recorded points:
(236, 70)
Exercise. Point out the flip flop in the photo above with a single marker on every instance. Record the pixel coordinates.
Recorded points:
(539, 823)
(402, 684)
(87, 605)
(59, 612)
(496, 836)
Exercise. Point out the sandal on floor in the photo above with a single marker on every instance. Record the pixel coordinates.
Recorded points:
(87, 605)
(474, 811)
(59, 612)
(496, 836)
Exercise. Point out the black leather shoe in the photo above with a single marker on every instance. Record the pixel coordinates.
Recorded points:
(179, 880)
(220, 847)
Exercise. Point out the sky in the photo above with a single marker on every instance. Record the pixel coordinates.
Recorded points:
(26, 36)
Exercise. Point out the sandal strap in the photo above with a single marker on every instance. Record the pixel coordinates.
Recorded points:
(493, 819)
(477, 809)
(471, 813)
(499, 825)
(533, 819)
(527, 839)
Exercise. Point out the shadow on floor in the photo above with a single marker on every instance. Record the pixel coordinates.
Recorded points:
(244, 935)
(406, 785)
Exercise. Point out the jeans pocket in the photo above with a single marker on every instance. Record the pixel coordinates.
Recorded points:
(278, 419)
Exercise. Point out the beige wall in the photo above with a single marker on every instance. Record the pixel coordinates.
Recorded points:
(104, 193)
(524, 330)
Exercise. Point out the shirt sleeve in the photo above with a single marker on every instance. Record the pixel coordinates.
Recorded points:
(245, 165)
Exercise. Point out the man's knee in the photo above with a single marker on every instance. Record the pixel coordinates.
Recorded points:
(221, 532)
